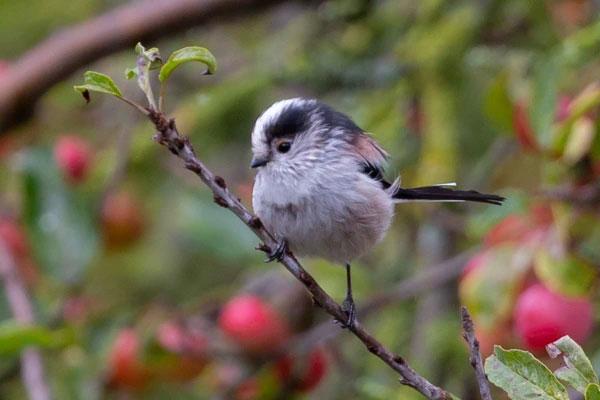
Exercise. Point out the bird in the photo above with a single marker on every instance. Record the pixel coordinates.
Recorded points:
(320, 187)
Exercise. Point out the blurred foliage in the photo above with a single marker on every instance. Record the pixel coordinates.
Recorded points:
(497, 95)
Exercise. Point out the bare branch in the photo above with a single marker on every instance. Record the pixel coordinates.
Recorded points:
(475, 357)
(65, 52)
(586, 196)
(32, 370)
(169, 137)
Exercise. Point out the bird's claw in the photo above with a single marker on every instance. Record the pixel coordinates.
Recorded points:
(279, 252)
(349, 309)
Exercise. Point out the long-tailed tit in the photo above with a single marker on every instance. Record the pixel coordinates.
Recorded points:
(320, 187)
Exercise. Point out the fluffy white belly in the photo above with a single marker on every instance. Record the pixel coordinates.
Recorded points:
(338, 226)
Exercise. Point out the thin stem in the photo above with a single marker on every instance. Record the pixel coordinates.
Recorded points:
(161, 96)
(132, 103)
(32, 369)
(475, 357)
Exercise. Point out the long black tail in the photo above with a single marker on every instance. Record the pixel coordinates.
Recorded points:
(443, 193)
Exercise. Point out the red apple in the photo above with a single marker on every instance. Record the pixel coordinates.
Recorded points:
(522, 128)
(126, 369)
(474, 263)
(73, 157)
(542, 316)
(4, 67)
(307, 375)
(14, 238)
(122, 219)
(189, 346)
(253, 324)
(513, 228)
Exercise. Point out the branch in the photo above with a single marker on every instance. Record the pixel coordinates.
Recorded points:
(586, 196)
(432, 277)
(169, 137)
(475, 358)
(32, 370)
(63, 53)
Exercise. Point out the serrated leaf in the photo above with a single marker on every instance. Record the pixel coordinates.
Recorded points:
(568, 274)
(523, 376)
(578, 370)
(571, 377)
(97, 82)
(14, 337)
(592, 392)
(185, 55)
(64, 238)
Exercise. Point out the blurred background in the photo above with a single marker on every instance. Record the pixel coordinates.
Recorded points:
(132, 284)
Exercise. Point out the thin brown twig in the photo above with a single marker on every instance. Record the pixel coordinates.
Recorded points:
(475, 354)
(32, 369)
(169, 137)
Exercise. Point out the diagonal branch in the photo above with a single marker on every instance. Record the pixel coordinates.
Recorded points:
(475, 358)
(32, 369)
(169, 137)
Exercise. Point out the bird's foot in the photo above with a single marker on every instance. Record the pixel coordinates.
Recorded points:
(280, 251)
(349, 309)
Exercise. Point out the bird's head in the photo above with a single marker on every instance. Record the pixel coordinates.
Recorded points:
(297, 133)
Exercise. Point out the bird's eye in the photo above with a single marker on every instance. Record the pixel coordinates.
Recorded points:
(284, 147)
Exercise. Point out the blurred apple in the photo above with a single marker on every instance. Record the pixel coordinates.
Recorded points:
(513, 228)
(14, 238)
(253, 324)
(190, 348)
(488, 338)
(303, 373)
(4, 66)
(76, 308)
(522, 128)
(126, 369)
(73, 156)
(122, 219)
(474, 263)
(248, 390)
(542, 316)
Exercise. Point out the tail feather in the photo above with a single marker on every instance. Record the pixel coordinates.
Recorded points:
(443, 193)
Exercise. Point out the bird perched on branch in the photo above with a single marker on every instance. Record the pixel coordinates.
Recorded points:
(320, 187)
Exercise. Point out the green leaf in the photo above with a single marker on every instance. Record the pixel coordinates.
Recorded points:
(497, 104)
(131, 73)
(592, 392)
(568, 275)
(586, 101)
(546, 76)
(523, 376)
(14, 337)
(60, 223)
(185, 55)
(97, 82)
(578, 370)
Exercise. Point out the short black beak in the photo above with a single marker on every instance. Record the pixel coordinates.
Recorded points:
(258, 162)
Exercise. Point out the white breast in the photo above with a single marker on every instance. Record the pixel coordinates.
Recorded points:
(337, 214)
